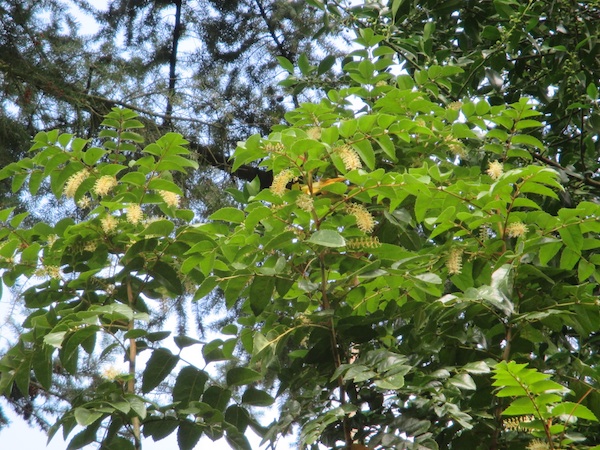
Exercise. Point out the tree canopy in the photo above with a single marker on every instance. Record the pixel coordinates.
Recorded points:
(420, 272)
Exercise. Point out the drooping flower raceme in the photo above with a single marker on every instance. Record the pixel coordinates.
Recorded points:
(454, 261)
(74, 182)
(104, 184)
(495, 169)
(170, 198)
(134, 214)
(364, 220)
(280, 182)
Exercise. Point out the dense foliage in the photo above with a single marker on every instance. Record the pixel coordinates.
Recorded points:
(422, 271)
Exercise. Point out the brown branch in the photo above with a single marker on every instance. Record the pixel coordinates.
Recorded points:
(583, 178)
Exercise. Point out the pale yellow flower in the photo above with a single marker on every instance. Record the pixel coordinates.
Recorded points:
(305, 202)
(74, 182)
(511, 424)
(109, 224)
(349, 157)
(276, 147)
(280, 182)
(84, 202)
(454, 261)
(48, 271)
(110, 373)
(314, 133)
(134, 214)
(52, 239)
(455, 105)
(537, 444)
(170, 198)
(495, 169)
(104, 184)
(364, 220)
(90, 246)
(53, 271)
(516, 229)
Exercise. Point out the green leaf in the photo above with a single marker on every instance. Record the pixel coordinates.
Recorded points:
(188, 435)
(55, 339)
(92, 155)
(520, 407)
(160, 429)
(260, 294)
(574, 410)
(189, 385)
(463, 381)
(159, 228)
(479, 367)
(528, 140)
(256, 397)
(159, 366)
(390, 383)
(365, 151)
(325, 64)
(572, 237)
(183, 341)
(161, 184)
(327, 238)
(238, 376)
(286, 64)
(238, 417)
(85, 417)
(237, 440)
(217, 397)
(228, 214)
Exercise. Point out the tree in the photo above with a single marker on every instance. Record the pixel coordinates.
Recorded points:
(204, 68)
(414, 277)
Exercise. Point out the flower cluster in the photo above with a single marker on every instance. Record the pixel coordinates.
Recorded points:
(314, 133)
(305, 202)
(349, 157)
(170, 198)
(84, 202)
(276, 147)
(90, 246)
(110, 373)
(537, 444)
(516, 229)
(280, 181)
(518, 423)
(104, 184)
(363, 242)
(74, 182)
(109, 224)
(454, 261)
(495, 169)
(364, 220)
(134, 214)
